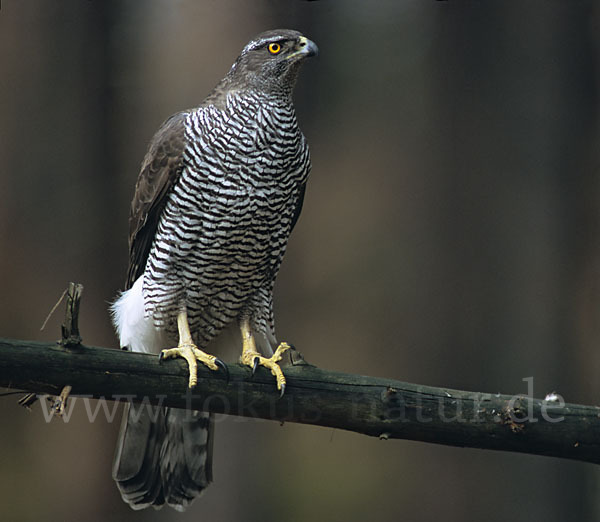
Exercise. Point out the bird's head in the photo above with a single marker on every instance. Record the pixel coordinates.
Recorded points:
(271, 61)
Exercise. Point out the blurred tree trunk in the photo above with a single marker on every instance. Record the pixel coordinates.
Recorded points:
(56, 144)
(518, 136)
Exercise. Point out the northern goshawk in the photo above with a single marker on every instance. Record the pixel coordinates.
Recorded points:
(220, 189)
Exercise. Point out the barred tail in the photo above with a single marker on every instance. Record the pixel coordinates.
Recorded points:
(163, 455)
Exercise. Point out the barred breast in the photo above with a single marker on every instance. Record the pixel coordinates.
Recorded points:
(224, 230)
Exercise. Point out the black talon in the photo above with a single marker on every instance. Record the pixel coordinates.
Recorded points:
(282, 390)
(255, 364)
(160, 357)
(223, 366)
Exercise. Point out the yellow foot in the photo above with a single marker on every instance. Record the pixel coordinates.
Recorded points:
(254, 359)
(191, 353)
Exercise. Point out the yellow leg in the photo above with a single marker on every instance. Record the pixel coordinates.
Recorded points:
(190, 352)
(252, 358)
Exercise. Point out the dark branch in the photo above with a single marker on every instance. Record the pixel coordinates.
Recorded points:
(70, 328)
(379, 407)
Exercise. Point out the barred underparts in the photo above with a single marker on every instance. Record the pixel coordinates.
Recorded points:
(219, 192)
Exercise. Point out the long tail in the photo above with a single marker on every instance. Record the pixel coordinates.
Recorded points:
(163, 455)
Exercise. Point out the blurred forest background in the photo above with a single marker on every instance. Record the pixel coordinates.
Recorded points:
(450, 236)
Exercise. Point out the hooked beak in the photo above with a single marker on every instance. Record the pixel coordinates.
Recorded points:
(304, 49)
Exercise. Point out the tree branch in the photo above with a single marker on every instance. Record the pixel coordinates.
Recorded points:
(373, 406)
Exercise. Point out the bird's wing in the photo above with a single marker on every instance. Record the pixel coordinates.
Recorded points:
(161, 168)
(298, 208)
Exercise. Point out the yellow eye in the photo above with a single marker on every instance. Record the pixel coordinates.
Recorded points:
(274, 48)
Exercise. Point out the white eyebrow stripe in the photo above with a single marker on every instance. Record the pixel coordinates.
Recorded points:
(262, 42)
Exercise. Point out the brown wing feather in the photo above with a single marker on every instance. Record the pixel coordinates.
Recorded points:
(298, 208)
(161, 168)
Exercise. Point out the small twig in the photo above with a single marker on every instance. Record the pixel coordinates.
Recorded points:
(62, 296)
(70, 328)
(60, 403)
(27, 400)
(70, 338)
